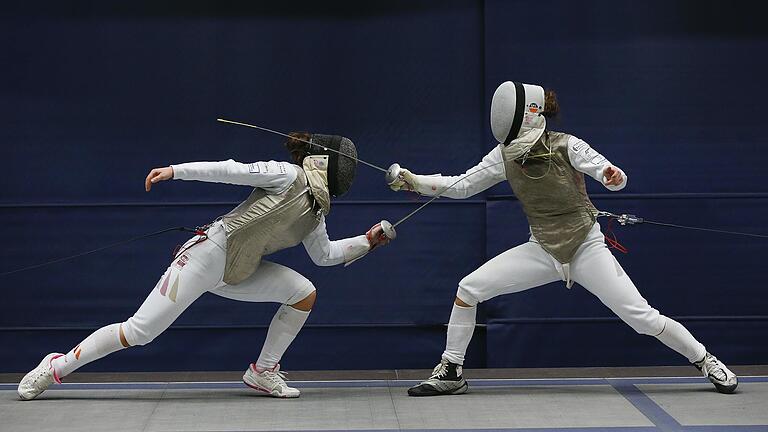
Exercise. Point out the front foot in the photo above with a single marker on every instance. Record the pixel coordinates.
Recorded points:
(446, 379)
(718, 374)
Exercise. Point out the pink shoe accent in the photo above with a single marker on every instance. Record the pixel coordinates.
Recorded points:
(50, 364)
(256, 387)
(260, 370)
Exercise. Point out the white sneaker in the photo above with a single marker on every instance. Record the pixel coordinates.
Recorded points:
(270, 381)
(39, 379)
(446, 379)
(713, 369)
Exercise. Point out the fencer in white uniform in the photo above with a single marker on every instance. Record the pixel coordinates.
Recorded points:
(287, 206)
(546, 172)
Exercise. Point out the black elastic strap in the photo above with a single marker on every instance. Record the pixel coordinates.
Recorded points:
(517, 122)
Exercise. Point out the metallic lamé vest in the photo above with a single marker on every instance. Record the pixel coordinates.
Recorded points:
(557, 206)
(266, 223)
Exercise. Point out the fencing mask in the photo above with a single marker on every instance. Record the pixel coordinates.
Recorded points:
(341, 169)
(516, 118)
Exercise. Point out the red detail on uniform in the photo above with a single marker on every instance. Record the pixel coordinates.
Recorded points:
(613, 242)
(182, 261)
(164, 288)
(203, 237)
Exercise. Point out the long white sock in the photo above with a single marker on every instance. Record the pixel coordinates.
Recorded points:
(284, 327)
(681, 340)
(103, 341)
(460, 329)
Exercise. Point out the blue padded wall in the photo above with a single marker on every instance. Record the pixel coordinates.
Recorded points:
(94, 95)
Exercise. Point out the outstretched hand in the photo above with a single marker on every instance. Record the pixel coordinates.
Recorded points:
(157, 175)
(405, 181)
(376, 236)
(613, 176)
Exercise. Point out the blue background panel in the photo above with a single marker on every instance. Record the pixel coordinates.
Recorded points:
(94, 95)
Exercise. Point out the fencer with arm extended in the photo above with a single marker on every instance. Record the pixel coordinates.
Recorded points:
(287, 206)
(274, 177)
(490, 171)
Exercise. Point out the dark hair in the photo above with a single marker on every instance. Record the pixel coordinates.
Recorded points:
(551, 106)
(297, 146)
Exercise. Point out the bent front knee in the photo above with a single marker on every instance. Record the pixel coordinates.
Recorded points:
(467, 295)
(307, 303)
(460, 302)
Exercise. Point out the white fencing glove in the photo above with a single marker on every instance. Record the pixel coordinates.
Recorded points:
(405, 181)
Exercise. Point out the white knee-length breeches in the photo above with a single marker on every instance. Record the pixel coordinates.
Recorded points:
(200, 269)
(593, 267)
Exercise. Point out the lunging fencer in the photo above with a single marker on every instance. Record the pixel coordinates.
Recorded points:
(546, 172)
(288, 206)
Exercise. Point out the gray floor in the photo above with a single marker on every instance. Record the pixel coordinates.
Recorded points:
(571, 400)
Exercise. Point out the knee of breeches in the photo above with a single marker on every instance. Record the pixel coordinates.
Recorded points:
(307, 303)
(136, 334)
(301, 293)
(468, 292)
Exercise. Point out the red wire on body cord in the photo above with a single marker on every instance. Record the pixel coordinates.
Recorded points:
(612, 241)
(203, 236)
